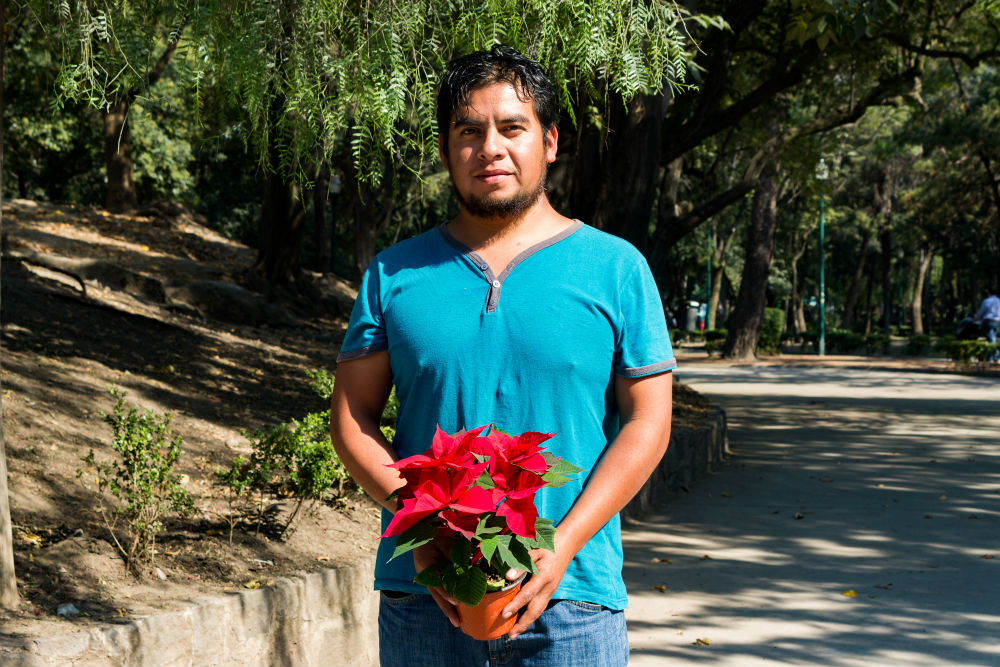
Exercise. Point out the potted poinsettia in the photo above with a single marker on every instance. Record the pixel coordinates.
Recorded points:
(478, 493)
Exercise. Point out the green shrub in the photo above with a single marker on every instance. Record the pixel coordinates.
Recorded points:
(142, 479)
(918, 345)
(843, 341)
(966, 352)
(715, 335)
(771, 329)
(295, 459)
(876, 343)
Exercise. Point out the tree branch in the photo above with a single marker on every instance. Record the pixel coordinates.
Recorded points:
(972, 60)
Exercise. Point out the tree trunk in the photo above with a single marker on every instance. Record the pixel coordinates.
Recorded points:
(279, 256)
(322, 231)
(926, 255)
(859, 270)
(371, 218)
(720, 250)
(744, 331)
(800, 242)
(120, 195)
(868, 303)
(885, 240)
(633, 169)
(8, 579)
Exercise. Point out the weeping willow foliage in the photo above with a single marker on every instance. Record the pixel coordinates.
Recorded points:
(316, 76)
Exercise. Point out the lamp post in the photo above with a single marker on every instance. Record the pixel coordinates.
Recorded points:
(822, 173)
(709, 315)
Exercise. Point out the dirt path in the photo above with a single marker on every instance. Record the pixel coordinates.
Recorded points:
(856, 525)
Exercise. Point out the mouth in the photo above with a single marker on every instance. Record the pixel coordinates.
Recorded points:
(492, 176)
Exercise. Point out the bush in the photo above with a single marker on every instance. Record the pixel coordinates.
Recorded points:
(918, 345)
(295, 459)
(966, 352)
(142, 480)
(876, 343)
(843, 341)
(771, 329)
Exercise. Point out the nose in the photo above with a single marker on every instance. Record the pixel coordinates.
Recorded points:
(490, 149)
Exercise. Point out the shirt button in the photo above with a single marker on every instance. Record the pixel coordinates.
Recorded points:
(484, 266)
(496, 283)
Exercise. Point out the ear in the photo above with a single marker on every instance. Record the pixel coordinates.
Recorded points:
(551, 139)
(442, 154)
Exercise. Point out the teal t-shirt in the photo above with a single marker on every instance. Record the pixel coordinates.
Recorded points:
(536, 348)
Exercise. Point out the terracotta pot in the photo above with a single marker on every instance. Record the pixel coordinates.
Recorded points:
(483, 621)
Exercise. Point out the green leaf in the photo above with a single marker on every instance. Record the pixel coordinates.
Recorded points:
(468, 586)
(521, 555)
(545, 535)
(483, 528)
(429, 577)
(485, 481)
(511, 554)
(560, 471)
(461, 553)
(416, 535)
(489, 546)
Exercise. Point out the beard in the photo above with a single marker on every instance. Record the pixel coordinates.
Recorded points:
(508, 208)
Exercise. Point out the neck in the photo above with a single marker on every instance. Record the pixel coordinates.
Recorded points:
(540, 220)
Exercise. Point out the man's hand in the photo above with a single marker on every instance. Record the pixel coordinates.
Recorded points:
(436, 551)
(535, 594)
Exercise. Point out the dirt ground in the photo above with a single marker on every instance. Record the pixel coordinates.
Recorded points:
(63, 346)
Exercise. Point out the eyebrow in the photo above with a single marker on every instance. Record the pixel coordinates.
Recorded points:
(467, 121)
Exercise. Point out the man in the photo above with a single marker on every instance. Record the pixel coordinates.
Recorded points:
(514, 315)
(989, 315)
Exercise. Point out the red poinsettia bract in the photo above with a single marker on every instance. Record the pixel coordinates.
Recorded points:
(447, 482)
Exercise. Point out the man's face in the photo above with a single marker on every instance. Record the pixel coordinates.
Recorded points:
(498, 153)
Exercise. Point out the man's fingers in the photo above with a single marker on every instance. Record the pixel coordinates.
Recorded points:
(531, 612)
(446, 605)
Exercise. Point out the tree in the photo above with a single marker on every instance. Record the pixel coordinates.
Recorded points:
(114, 53)
(326, 81)
(8, 580)
(748, 315)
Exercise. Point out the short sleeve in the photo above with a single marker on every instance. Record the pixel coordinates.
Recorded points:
(643, 342)
(366, 330)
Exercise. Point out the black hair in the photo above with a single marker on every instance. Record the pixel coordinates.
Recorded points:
(501, 64)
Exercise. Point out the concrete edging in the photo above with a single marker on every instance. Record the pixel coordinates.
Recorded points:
(327, 617)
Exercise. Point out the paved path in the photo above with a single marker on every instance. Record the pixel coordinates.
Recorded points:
(884, 484)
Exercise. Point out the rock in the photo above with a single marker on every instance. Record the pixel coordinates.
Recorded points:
(160, 575)
(67, 609)
(217, 300)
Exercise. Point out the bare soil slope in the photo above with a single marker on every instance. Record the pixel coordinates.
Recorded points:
(90, 299)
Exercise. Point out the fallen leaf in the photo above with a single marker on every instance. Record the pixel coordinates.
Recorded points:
(703, 641)
(318, 557)
(881, 486)
(850, 594)
(726, 495)
(706, 557)
(942, 497)
(662, 589)
(799, 515)
(32, 539)
(884, 587)
(987, 556)
(663, 560)
(253, 584)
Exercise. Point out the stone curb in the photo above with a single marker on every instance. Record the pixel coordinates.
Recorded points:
(693, 453)
(327, 617)
(320, 618)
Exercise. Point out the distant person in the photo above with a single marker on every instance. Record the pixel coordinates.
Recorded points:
(988, 316)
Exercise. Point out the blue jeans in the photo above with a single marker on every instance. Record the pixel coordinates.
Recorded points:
(414, 632)
(990, 329)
